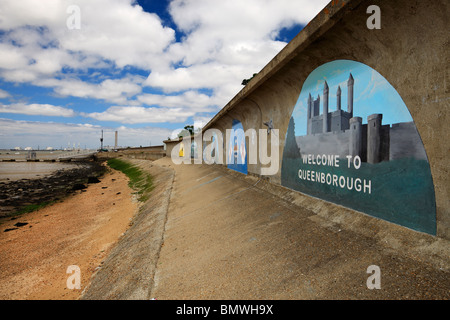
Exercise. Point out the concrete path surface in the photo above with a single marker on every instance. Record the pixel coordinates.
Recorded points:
(229, 237)
(127, 273)
(211, 233)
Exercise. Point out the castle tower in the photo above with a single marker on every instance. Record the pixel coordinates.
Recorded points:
(316, 106)
(355, 146)
(325, 107)
(338, 96)
(309, 111)
(350, 84)
(374, 138)
(309, 106)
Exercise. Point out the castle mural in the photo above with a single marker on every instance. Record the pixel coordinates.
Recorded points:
(236, 153)
(368, 157)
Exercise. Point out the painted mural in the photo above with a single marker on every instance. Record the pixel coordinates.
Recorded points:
(194, 150)
(181, 150)
(236, 153)
(351, 140)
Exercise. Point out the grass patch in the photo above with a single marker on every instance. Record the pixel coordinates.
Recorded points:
(140, 181)
(33, 207)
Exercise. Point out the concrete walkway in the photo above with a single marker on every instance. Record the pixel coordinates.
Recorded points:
(211, 233)
(230, 237)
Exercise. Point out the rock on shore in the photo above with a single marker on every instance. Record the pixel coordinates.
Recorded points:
(15, 195)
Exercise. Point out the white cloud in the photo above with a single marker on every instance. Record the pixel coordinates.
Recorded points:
(112, 90)
(37, 109)
(226, 42)
(116, 30)
(208, 75)
(11, 57)
(36, 43)
(4, 94)
(122, 33)
(136, 114)
(162, 108)
(236, 31)
(189, 99)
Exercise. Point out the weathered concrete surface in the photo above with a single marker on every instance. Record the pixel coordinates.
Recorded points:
(128, 271)
(210, 233)
(230, 236)
(411, 50)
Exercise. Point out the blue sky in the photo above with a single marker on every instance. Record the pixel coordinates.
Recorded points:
(372, 93)
(143, 68)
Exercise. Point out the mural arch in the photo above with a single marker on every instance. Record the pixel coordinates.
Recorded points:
(351, 140)
(237, 150)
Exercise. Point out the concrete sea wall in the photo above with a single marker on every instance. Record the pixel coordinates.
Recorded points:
(410, 50)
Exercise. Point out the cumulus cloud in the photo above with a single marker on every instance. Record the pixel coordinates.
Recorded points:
(122, 33)
(117, 30)
(4, 94)
(225, 42)
(191, 99)
(136, 114)
(37, 47)
(37, 110)
(111, 90)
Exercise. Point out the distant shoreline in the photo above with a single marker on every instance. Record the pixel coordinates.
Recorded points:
(40, 154)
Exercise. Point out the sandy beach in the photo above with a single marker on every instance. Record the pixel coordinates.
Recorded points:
(80, 230)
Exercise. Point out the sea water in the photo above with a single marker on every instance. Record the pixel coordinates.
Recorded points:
(17, 170)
